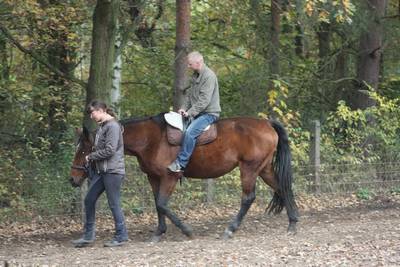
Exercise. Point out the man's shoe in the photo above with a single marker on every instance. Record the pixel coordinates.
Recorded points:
(82, 242)
(115, 242)
(175, 167)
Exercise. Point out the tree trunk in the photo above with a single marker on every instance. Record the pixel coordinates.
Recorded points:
(115, 96)
(368, 64)
(341, 71)
(60, 90)
(4, 67)
(275, 46)
(182, 47)
(324, 40)
(299, 39)
(102, 53)
(275, 30)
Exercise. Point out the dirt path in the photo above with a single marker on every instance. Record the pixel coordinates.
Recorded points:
(364, 234)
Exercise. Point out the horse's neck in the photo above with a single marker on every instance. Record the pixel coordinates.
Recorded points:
(139, 136)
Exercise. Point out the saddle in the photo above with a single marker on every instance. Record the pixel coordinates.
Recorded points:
(176, 127)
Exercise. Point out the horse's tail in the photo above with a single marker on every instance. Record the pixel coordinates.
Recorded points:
(283, 197)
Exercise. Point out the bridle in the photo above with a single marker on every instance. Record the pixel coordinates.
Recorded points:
(77, 167)
(84, 168)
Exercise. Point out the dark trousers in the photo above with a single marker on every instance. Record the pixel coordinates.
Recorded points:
(111, 183)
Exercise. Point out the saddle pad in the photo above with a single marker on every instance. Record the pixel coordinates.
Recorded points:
(174, 119)
(174, 136)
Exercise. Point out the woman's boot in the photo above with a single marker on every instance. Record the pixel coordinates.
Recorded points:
(120, 238)
(87, 238)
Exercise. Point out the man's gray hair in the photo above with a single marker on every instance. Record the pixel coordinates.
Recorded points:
(195, 56)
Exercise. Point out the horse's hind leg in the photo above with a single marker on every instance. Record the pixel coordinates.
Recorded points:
(278, 202)
(268, 176)
(248, 179)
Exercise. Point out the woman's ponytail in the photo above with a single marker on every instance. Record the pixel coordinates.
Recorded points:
(110, 111)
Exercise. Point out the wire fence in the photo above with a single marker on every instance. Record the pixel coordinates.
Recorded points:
(56, 200)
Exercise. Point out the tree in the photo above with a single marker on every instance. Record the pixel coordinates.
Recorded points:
(369, 57)
(275, 30)
(182, 46)
(102, 54)
(4, 65)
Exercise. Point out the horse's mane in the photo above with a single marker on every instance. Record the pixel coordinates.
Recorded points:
(159, 119)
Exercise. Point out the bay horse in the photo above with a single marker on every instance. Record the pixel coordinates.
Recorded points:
(259, 147)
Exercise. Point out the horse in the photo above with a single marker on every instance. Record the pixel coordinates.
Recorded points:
(259, 147)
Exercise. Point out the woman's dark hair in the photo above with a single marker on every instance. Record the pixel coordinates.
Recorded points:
(97, 104)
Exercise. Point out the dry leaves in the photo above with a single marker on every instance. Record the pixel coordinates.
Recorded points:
(332, 231)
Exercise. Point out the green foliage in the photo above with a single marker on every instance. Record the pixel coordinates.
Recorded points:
(353, 136)
(395, 191)
(39, 110)
(35, 181)
(364, 194)
(330, 11)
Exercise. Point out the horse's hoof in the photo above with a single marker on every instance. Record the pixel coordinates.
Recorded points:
(155, 239)
(291, 229)
(228, 234)
(188, 231)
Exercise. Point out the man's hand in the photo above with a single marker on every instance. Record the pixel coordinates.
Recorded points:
(183, 112)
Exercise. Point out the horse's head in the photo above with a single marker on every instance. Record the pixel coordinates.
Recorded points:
(79, 169)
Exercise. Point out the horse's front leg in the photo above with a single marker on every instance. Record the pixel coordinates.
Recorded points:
(167, 186)
(162, 226)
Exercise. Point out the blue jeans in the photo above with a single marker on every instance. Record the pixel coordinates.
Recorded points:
(195, 128)
(111, 183)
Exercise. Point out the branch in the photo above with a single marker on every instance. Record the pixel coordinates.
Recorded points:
(223, 47)
(391, 17)
(17, 138)
(372, 53)
(133, 82)
(35, 56)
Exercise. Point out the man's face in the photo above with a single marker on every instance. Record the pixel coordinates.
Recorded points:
(194, 65)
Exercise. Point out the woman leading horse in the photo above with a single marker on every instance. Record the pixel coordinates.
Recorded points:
(257, 146)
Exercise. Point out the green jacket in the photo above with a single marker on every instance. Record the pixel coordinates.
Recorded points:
(203, 96)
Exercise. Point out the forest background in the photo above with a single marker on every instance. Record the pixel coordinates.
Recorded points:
(297, 61)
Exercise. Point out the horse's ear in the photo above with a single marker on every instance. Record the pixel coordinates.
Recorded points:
(91, 137)
(78, 131)
(85, 132)
(88, 135)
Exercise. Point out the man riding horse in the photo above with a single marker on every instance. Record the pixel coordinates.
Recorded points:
(201, 107)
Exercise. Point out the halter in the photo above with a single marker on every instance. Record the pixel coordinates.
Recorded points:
(82, 168)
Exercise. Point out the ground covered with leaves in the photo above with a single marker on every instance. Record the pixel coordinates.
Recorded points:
(333, 231)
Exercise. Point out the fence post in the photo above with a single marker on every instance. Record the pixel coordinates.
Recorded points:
(315, 160)
(210, 191)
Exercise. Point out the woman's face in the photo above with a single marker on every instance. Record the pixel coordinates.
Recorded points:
(97, 115)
